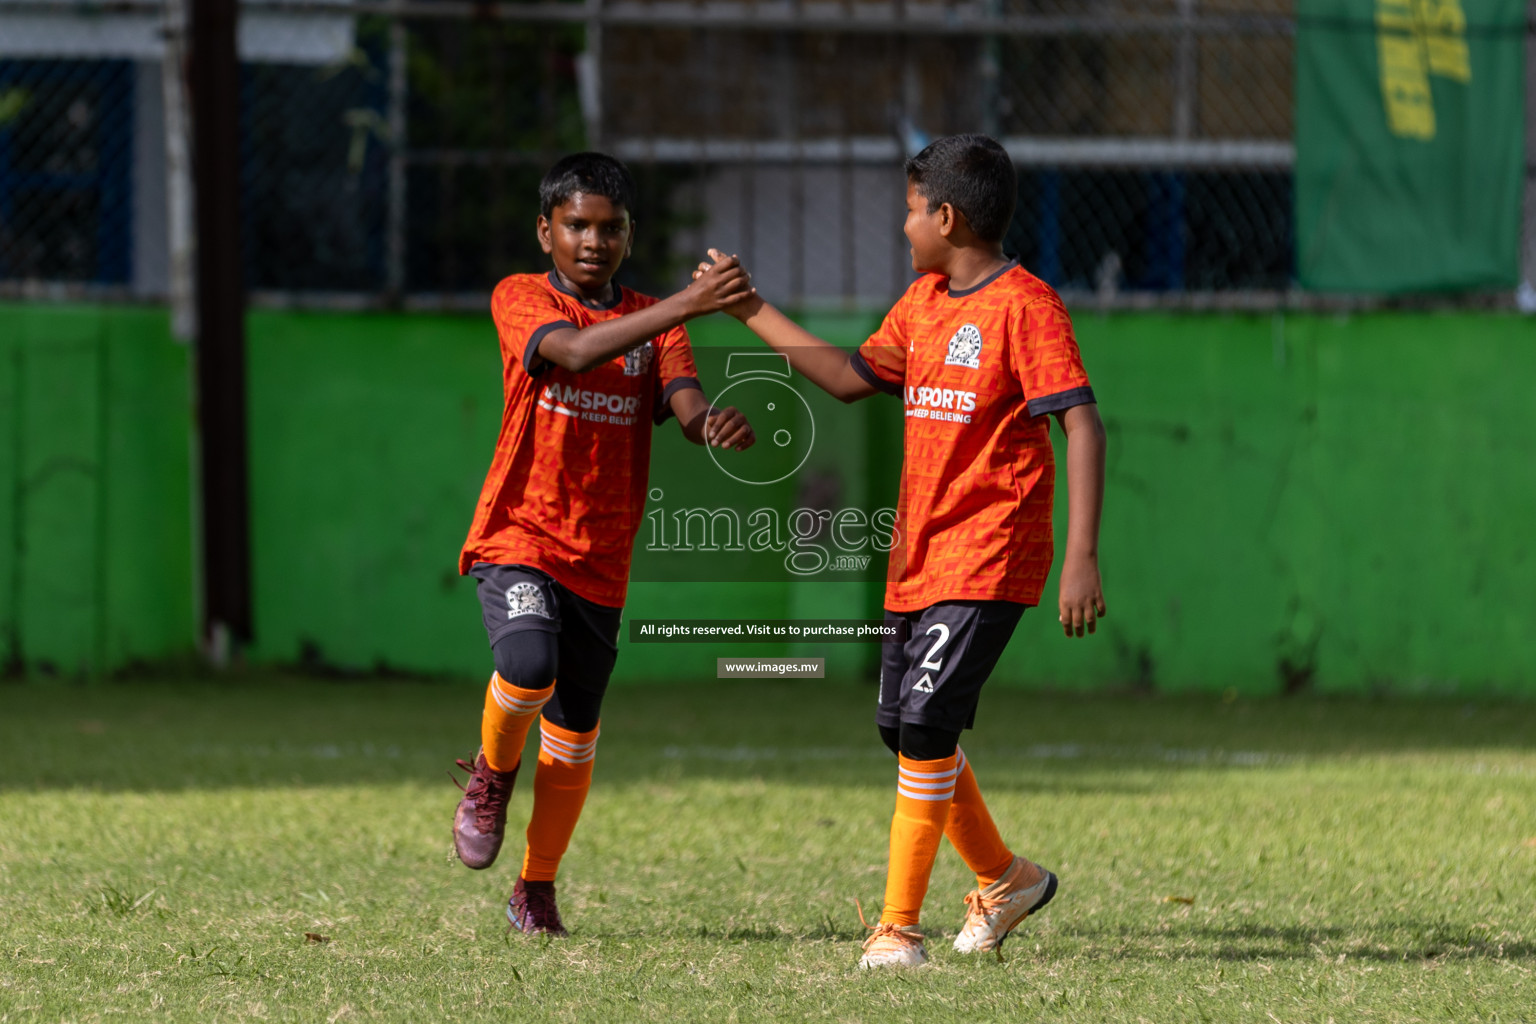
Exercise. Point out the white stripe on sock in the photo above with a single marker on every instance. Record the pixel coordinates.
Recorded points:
(929, 786)
(566, 759)
(567, 745)
(566, 751)
(932, 787)
(519, 706)
(928, 780)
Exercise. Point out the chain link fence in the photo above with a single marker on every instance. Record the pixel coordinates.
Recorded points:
(391, 151)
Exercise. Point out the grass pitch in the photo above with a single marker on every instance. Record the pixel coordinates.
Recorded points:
(278, 850)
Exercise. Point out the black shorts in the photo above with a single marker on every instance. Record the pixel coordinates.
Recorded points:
(934, 677)
(519, 597)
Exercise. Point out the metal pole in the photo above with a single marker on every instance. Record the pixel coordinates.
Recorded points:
(591, 84)
(911, 107)
(219, 354)
(789, 93)
(395, 269)
(989, 70)
(178, 173)
(181, 247)
(1186, 76)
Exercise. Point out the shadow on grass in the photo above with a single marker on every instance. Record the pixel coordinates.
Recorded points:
(827, 930)
(1255, 942)
(285, 732)
(1245, 944)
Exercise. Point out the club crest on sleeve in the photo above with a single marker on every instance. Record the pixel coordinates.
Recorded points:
(637, 361)
(526, 599)
(965, 347)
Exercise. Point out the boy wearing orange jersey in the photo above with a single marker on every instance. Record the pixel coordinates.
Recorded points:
(982, 354)
(588, 368)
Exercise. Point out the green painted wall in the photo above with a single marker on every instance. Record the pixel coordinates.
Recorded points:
(95, 514)
(1351, 495)
(369, 437)
(1341, 502)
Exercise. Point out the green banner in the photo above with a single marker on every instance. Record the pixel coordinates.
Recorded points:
(1409, 143)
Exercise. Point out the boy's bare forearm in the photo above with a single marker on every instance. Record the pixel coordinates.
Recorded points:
(725, 284)
(822, 363)
(581, 350)
(691, 409)
(1086, 444)
(1081, 602)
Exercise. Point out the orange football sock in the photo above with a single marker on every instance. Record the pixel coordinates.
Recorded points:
(509, 713)
(924, 790)
(971, 831)
(560, 785)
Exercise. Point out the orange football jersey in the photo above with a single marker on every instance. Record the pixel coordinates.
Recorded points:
(567, 486)
(978, 371)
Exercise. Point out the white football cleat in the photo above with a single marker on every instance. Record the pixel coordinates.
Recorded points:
(894, 945)
(993, 912)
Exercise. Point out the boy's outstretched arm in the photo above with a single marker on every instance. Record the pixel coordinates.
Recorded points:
(822, 363)
(1082, 595)
(702, 423)
(580, 350)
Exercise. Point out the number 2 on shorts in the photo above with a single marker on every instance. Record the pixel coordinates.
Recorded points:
(931, 661)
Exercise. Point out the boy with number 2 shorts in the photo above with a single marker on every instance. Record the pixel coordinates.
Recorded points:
(981, 353)
(588, 367)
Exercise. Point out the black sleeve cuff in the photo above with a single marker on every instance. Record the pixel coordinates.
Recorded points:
(664, 406)
(1061, 401)
(863, 369)
(531, 350)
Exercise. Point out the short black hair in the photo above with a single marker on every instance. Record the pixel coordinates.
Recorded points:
(594, 174)
(972, 173)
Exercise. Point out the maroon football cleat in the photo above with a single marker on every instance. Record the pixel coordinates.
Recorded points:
(532, 909)
(480, 821)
